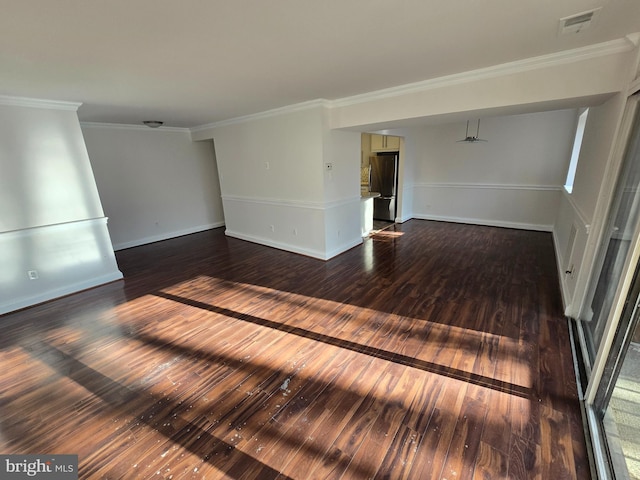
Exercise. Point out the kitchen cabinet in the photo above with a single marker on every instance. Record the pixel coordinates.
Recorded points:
(384, 143)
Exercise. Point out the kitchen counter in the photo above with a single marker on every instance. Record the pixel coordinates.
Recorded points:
(366, 211)
(367, 195)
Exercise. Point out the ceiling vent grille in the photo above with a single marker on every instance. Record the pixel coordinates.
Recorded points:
(577, 23)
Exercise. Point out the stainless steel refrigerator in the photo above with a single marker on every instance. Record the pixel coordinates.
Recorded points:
(383, 178)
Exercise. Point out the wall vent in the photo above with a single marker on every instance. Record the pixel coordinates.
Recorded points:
(577, 23)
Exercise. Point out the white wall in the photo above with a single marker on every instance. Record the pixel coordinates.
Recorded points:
(154, 183)
(51, 218)
(290, 143)
(272, 180)
(342, 150)
(513, 180)
(276, 189)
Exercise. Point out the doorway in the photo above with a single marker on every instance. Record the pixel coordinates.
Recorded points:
(382, 171)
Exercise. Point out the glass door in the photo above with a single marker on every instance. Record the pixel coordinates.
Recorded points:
(619, 402)
(622, 220)
(616, 405)
(611, 331)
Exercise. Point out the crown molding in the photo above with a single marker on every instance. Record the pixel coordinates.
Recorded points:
(297, 107)
(128, 126)
(564, 57)
(38, 103)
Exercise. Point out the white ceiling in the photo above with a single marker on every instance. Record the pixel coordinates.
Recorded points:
(194, 62)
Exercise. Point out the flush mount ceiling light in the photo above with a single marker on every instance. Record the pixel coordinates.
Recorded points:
(153, 123)
(469, 139)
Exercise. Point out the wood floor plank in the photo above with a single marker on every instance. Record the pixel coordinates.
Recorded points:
(525, 458)
(465, 444)
(490, 463)
(436, 442)
(397, 393)
(319, 446)
(434, 350)
(303, 431)
(355, 431)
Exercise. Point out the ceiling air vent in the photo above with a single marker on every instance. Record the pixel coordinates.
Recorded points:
(577, 23)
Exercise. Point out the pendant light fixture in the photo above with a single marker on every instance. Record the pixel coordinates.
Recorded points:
(469, 139)
(153, 123)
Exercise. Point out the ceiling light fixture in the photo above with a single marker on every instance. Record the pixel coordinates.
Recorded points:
(469, 139)
(153, 123)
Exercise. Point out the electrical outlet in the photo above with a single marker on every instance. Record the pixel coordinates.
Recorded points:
(295, 231)
(267, 166)
(328, 166)
(33, 274)
(272, 228)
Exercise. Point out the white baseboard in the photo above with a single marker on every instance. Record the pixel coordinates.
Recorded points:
(343, 248)
(488, 223)
(279, 245)
(294, 248)
(59, 292)
(166, 236)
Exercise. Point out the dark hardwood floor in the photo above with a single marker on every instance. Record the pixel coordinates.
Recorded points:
(434, 350)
